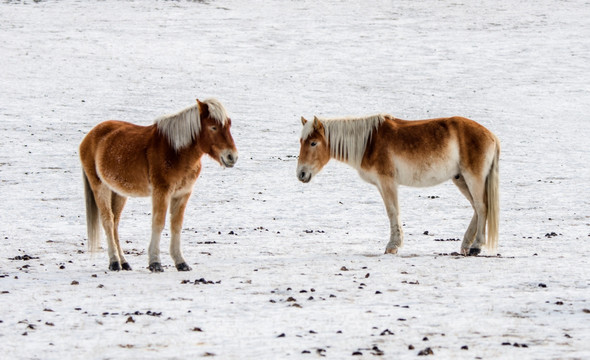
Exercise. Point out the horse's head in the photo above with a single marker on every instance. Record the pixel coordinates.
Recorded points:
(315, 150)
(215, 138)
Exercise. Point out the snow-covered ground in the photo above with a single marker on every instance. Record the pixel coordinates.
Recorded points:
(284, 269)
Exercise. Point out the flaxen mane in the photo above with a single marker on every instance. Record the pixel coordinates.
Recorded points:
(182, 127)
(348, 137)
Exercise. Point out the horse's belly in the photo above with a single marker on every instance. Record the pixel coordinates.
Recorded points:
(425, 174)
(126, 184)
(124, 175)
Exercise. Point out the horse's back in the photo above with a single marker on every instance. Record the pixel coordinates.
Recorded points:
(433, 135)
(115, 152)
(428, 152)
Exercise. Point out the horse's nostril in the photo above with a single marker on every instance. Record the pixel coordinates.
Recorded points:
(230, 157)
(302, 175)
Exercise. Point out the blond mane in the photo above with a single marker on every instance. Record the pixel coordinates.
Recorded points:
(348, 137)
(183, 127)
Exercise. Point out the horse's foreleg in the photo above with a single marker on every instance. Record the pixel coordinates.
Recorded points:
(160, 202)
(388, 192)
(117, 204)
(177, 207)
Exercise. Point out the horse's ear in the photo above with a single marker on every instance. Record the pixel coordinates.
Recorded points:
(303, 121)
(317, 125)
(203, 109)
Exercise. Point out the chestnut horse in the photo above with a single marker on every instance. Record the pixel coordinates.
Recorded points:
(388, 152)
(163, 160)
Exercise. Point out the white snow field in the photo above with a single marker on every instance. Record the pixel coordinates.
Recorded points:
(282, 269)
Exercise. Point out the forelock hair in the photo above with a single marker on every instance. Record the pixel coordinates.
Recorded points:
(307, 130)
(216, 111)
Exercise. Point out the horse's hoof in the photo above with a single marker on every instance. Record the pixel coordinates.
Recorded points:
(474, 251)
(115, 266)
(156, 267)
(126, 266)
(392, 251)
(183, 267)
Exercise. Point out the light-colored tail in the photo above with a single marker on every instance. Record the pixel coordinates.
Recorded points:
(92, 217)
(493, 196)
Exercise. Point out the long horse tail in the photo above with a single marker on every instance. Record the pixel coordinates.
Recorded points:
(92, 216)
(493, 201)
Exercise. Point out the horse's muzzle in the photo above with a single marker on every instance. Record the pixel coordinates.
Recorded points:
(304, 176)
(228, 159)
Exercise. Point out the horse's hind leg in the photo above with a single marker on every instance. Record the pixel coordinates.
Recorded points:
(117, 204)
(469, 236)
(476, 187)
(177, 207)
(104, 202)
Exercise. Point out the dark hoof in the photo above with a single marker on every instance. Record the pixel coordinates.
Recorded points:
(183, 267)
(115, 266)
(156, 267)
(474, 252)
(126, 266)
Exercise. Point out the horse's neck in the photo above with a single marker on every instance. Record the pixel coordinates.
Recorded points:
(189, 155)
(192, 153)
(350, 145)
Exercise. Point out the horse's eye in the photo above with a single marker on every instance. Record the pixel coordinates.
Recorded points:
(313, 143)
(213, 128)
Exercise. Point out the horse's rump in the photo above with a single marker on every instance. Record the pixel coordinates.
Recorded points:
(119, 156)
